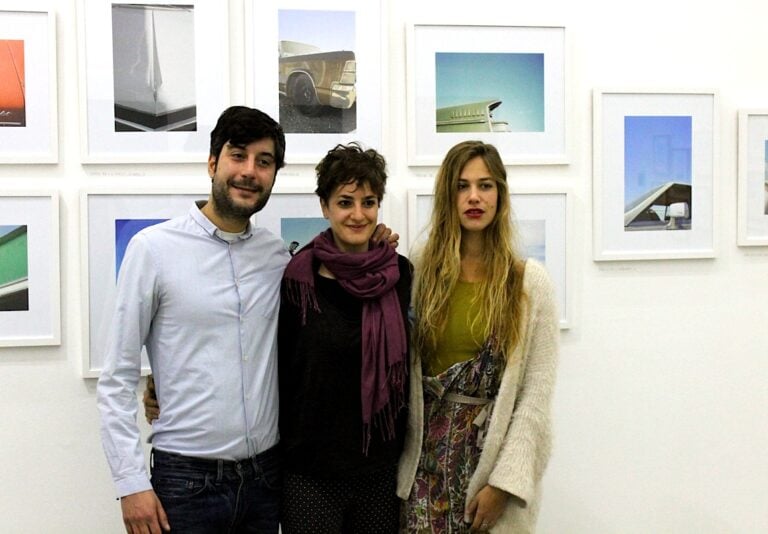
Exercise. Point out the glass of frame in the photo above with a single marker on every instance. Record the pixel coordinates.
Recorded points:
(28, 122)
(504, 85)
(543, 218)
(753, 178)
(294, 215)
(108, 219)
(154, 79)
(29, 269)
(316, 68)
(653, 183)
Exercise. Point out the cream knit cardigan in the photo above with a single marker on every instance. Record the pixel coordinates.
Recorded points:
(518, 442)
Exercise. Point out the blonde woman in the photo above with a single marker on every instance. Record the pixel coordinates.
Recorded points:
(485, 338)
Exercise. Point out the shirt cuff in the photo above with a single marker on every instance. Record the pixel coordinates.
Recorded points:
(131, 485)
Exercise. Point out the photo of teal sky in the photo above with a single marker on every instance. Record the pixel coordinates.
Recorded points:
(515, 79)
(327, 30)
(125, 229)
(657, 150)
(301, 229)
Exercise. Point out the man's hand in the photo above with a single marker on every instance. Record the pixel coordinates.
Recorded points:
(143, 513)
(486, 508)
(151, 406)
(382, 232)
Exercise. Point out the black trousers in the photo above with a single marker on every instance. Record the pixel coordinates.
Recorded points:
(362, 504)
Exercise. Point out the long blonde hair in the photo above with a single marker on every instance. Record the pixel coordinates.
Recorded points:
(438, 266)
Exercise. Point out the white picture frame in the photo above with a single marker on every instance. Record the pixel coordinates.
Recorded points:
(30, 313)
(443, 96)
(101, 212)
(753, 178)
(654, 161)
(174, 92)
(263, 62)
(28, 112)
(544, 220)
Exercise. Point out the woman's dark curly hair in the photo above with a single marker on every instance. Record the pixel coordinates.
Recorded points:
(346, 164)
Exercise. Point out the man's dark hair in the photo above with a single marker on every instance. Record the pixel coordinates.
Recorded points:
(241, 125)
(346, 164)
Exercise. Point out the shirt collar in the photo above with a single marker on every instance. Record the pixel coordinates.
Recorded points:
(206, 224)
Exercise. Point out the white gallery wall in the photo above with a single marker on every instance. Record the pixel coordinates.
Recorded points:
(661, 406)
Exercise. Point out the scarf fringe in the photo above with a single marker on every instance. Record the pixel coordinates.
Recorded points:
(385, 418)
(302, 295)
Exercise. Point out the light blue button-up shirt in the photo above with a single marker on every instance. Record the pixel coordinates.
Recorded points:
(206, 310)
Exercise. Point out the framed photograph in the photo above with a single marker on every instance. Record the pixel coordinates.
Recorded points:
(753, 178)
(154, 79)
(504, 85)
(29, 269)
(108, 220)
(316, 68)
(28, 122)
(294, 215)
(543, 218)
(653, 183)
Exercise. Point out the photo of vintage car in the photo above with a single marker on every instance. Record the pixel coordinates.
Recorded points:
(153, 55)
(470, 88)
(667, 207)
(313, 79)
(471, 117)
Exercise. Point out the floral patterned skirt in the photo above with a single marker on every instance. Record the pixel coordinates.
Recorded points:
(457, 405)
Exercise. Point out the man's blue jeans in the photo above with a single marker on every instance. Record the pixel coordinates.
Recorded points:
(218, 496)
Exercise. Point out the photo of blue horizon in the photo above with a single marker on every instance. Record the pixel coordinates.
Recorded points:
(125, 229)
(657, 150)
(327, 30)
(516, 79)
(302, 230)
(533, 235)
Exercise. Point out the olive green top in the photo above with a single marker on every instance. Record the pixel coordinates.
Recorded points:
(459, 342)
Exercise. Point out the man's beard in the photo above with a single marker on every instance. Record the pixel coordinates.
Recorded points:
(227, 208)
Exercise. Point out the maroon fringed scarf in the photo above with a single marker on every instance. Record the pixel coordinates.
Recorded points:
(370, 276)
